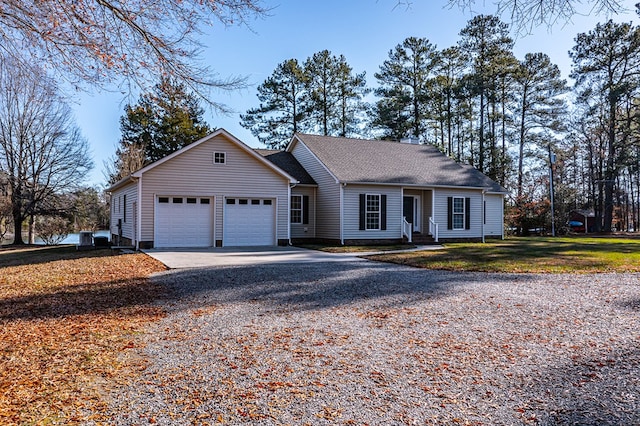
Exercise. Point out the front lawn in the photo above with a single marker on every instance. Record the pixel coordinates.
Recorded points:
(529, 255)
(67, 319)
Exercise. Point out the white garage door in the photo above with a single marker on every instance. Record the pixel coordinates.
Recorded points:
(249, 222)
(183, 222)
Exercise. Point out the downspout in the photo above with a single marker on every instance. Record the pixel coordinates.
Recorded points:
(291, 185)
(138, 230)
(502, 210)
(402, 213)
(342, 213)
(484, 214)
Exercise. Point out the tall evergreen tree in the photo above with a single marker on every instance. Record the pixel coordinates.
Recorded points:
(335, 94)
(450, 71)
(162, 122)
(607, 72)
(352, 88)
(405, 80)
(486, 41)
(539, 109)
(322, 96)
(283, 106)
(321, 71)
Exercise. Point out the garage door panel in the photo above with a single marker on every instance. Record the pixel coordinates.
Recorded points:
(249, 222)
(183, 224)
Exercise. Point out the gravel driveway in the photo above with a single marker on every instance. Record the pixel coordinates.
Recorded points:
(372, 343)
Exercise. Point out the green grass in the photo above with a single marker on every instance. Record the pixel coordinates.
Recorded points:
(356, 249)
(529, 255)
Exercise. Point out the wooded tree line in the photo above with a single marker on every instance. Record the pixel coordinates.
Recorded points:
(481, 105)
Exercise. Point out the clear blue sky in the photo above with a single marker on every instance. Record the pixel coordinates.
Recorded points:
(362, 30)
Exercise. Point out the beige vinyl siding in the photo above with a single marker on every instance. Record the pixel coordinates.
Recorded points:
(118, 210)
(494, 215)
(352, 212)
(298, 229)
(441, 213)
(194, 173)
(327, 195)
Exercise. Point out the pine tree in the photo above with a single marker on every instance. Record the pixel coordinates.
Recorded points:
(321, 71)
(352, 88)
(450, 71)
(607, 72)
(404, 79)
(283, 108)
(539, 108)
(322, 96)
(162, 122)
(335, 94)
(486, 41)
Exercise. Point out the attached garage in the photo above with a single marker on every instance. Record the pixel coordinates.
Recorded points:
(214, 192)
(249, 222)
(183, 221)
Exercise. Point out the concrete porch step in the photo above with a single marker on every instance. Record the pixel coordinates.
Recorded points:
(422, 239)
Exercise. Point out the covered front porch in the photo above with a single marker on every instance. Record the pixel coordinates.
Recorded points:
(418, 223)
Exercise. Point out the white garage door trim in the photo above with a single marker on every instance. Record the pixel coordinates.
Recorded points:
(249, 222)
(183, 221)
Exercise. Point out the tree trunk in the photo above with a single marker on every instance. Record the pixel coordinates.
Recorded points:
(610, 172)
(481, 135)
(32, 227)
(17, 228)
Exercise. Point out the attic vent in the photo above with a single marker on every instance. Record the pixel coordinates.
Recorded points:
(412, 141)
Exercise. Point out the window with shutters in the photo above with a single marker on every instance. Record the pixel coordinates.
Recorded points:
(458, 213)
(372, 212)
(296, 209)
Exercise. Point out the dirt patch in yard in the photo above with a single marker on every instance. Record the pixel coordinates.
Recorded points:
(67, 320)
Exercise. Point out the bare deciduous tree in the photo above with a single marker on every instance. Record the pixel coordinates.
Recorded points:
(42, 152)
(103, 42)
(525, 14)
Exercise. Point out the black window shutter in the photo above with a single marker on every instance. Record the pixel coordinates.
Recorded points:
(383, 212)
(449, 212)
(467, 213)
(362, 211)
(305, 209)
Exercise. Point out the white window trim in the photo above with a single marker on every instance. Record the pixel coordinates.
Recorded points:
(367, 211)
(453, 213)
(224, 157)
(301, 209)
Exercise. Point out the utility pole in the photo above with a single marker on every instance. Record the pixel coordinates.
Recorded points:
(552, 161)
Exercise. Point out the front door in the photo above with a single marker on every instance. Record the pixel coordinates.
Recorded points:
(411, 211)
(407, 209)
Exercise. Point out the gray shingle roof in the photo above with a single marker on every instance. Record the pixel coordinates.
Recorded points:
(375, 161)
(287, 162)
